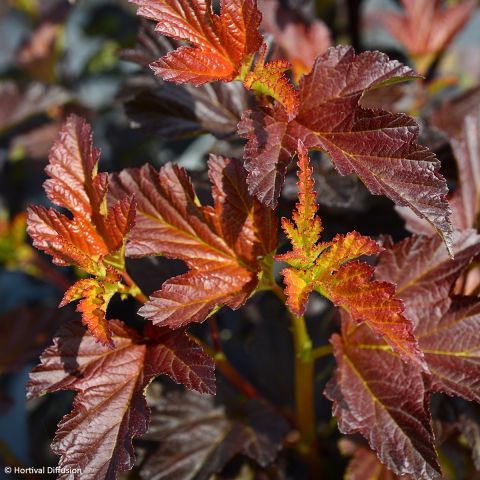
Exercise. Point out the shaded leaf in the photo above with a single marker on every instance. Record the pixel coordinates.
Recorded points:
(179, 110)
(222, 245)
(197, 439)
(448, 334)
(446, 328)
(425, 27)
(365, 465)
(298, 41)
(471, 430)
(18, 105)
(466, 148)
(109, 408)
(384, 399)
(328, 267)
(380, 147)
(423, 271)
(220, 43)
(25, 332)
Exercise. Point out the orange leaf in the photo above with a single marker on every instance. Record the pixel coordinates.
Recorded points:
(93, 239)
(328, 268)
(220, 43)
(269, 79)
(94, 296)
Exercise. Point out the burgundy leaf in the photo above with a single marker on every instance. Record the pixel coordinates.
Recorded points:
(380, 147)
(109, 408)
(382, 398)
(222, 245)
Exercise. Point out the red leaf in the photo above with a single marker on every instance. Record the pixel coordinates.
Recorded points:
(299, 42)
(384, 399)
(365, 465)
(182, 359)
(93, 239)
(110, 406)
(446, 329)
(222, 245)
(374, 303)
(421, 268)
(378, 146)
(426, 27)
(221, 43)
(466, 148)
(449, 336)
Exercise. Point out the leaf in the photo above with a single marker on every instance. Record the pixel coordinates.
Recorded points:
(298, 41)
(15, 252)
(197, 439)
(94, 238)
(17, 105)
(39, 54)
(365, 465)
(376, 394)
(269, 80)
(421, 268)
(220, 43)
(426, 27)
(181, 358)
(329, 268)
(450, 339)
(174, 111)
(463, 137)
(109, 408)
(380, 147)
(94, 232)
(25, 332)
(94, 296)
(446, 328)
(222, 245)
(471, 430)
(466, 148)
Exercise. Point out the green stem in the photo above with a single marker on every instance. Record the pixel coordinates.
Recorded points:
(305, 395)
(322, 351)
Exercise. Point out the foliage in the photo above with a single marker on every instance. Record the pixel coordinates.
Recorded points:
(187, 287)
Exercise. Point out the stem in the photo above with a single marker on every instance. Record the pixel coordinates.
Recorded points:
(279, 293)
(139, 296)
(227, 370)
(212, 322)
(322, 351)
(304, 394)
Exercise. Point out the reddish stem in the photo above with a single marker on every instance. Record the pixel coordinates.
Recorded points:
(214, 334)
(140, 297)
(227, 370)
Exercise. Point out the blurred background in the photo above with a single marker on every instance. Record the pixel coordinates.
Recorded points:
(91, 57)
